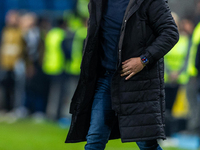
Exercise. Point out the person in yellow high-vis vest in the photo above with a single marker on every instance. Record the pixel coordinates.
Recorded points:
(192, 87)
(75, 20)
(82, 8)
(54, 61)
(176, 74)
(176, 62)
(73, 65)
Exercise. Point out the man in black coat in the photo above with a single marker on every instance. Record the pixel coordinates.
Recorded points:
(121, 88)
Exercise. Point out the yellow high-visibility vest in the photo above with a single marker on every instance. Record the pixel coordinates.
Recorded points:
(54, 59)
(193, 51)
(73, 66)
(74, 22)
(175, 60)
(82, 8)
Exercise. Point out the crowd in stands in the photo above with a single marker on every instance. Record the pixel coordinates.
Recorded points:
(40, 63)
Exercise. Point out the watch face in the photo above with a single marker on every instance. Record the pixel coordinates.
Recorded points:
(145, 60)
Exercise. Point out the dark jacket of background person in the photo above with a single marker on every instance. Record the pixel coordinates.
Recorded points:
(196, 44)
(197, 60)
(148, 29)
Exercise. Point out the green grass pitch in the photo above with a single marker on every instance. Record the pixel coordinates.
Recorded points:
(28, 135)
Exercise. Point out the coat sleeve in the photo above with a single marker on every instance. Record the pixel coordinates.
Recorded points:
(165, 29)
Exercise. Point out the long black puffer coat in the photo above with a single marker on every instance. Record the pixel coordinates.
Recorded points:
(148, 29)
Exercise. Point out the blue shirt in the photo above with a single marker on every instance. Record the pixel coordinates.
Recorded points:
(110, 32)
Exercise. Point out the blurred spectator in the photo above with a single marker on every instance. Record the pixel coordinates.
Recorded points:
(75, 17)
(192, 87)
(44, 25)
(74, 21)
(176, 75)
(82, 8)
(36, 81)
(73, 66)
(194, 122)
(55, 56)
(197, 62)
(31, 34)
(11, 52)
(197, 13)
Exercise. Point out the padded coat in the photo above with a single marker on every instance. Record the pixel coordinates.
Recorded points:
(148, 29)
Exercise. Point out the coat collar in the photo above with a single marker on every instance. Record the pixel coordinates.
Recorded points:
(132, 7)
(98, 6)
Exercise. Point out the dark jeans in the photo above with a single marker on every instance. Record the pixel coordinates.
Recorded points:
(35, 102)
(8, 85)
(103, 119)
(170, 96)
(171, 91)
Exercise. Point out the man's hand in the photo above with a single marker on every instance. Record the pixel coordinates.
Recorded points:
(131, 66)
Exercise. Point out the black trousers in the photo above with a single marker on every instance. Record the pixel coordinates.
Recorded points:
(173, 125)
(8, 86)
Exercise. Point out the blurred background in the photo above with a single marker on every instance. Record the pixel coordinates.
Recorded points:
(41, 44)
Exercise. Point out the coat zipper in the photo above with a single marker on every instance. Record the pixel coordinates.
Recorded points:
(120, 57)
(129, 13)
